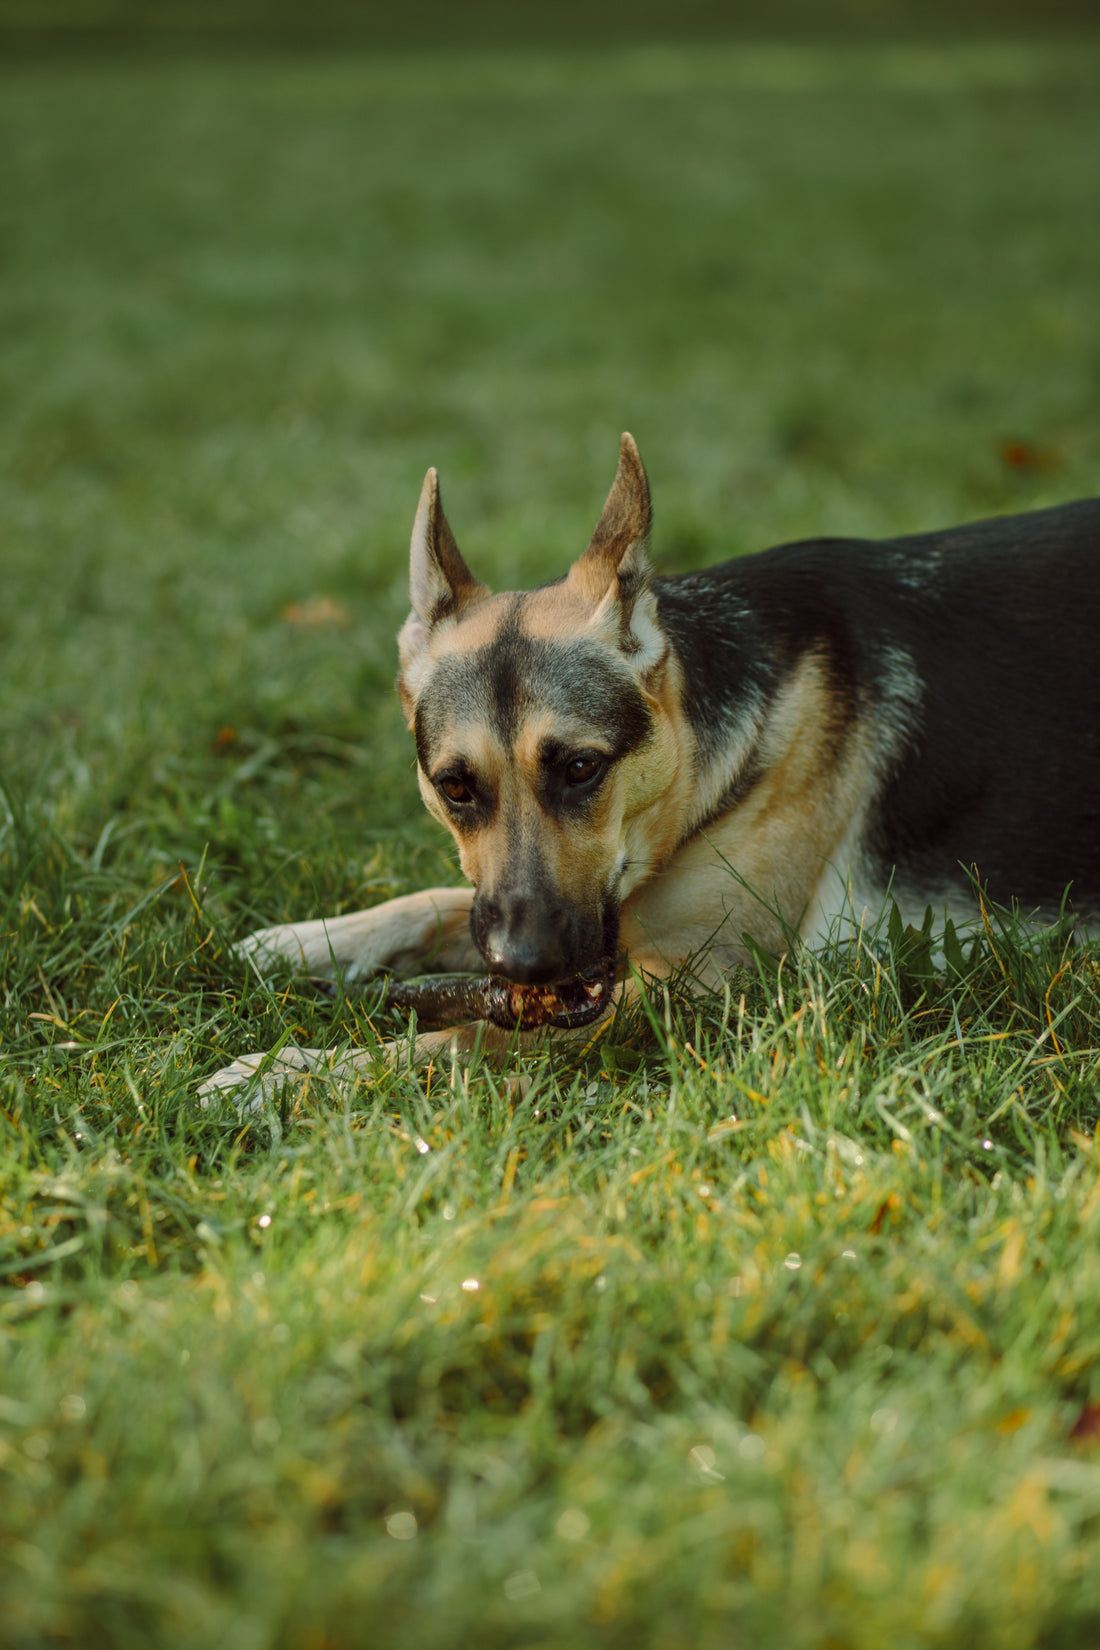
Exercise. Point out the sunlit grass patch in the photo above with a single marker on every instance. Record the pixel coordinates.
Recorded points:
(726, 1341)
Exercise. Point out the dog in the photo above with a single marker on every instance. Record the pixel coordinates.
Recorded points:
(644, 773)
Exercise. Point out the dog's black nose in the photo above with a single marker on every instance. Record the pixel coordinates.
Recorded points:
(522, 937)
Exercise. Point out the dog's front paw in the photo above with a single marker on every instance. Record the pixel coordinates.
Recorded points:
(254, 1080)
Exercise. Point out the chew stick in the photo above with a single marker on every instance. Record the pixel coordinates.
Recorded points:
(448, 999)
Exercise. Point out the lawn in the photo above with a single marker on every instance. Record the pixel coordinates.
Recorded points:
(771, 1319)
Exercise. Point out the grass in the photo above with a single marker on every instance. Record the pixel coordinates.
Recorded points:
(772, 1319)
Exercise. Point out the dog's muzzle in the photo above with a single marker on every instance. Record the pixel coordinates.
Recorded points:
(551, 964)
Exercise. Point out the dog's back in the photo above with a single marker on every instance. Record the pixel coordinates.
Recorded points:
(974, 652)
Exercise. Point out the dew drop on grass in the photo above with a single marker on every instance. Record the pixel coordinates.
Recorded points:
(402, 1525)
(702, 1458)
(573, 1525)
(264, 1221)
(793, 1261)
(471, 1285)
(523, 1584)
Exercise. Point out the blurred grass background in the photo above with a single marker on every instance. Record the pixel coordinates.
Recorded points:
(489, 22)
(773, 1321)
(249, 298)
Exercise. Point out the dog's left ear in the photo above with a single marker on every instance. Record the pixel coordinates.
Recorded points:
(613, 574)
(440, 587)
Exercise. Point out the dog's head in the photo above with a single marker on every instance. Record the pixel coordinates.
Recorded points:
(546, 733)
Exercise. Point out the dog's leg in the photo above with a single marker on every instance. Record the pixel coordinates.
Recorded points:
(429, 930)
(259, 1085)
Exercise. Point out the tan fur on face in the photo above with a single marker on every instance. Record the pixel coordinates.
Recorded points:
(641, 812)
(635, 820)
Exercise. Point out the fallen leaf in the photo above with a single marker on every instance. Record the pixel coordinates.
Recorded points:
(1086, 1428)
(316, 612)
(1013, 1421)
(1025, 455)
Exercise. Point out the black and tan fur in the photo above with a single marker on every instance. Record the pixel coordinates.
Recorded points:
(640, 771)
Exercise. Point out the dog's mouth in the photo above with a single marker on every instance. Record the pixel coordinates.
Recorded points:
(566, 1004)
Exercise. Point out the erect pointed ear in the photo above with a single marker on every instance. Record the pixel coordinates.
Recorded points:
(613, 574)
(616, 553)
(440, 585)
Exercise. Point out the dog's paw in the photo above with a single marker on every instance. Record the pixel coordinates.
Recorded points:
(255, 1080)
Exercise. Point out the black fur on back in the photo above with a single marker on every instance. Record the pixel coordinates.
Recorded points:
(981, 644)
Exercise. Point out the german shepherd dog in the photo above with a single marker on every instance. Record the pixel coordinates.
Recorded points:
(644, 773)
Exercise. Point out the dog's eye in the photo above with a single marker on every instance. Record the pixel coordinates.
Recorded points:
(582, 770)
(455, 789)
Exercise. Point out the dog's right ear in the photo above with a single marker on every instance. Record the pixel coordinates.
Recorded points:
(440, 586)
(440, 583)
